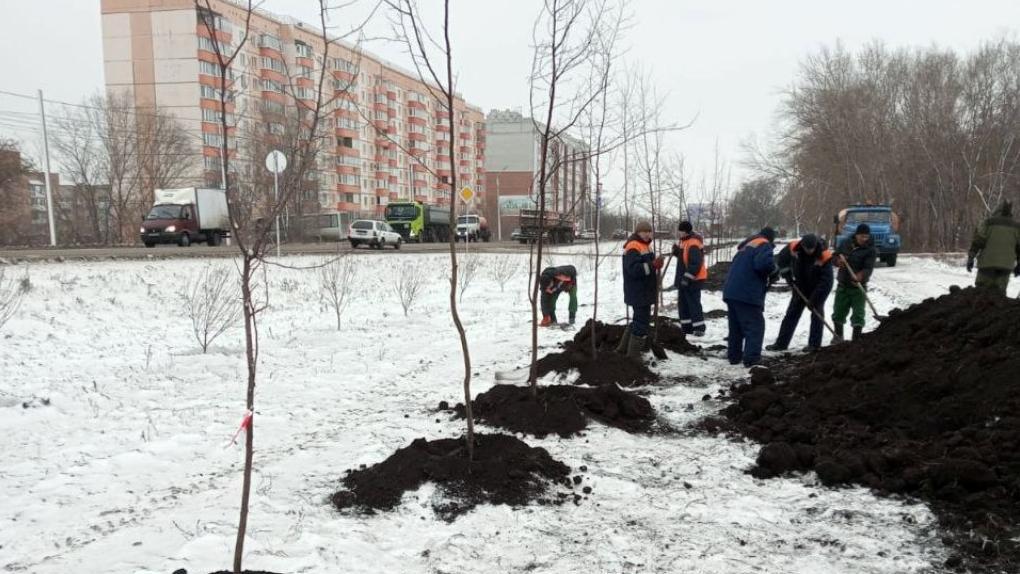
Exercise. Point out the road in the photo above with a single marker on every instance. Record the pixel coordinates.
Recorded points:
(173, 251)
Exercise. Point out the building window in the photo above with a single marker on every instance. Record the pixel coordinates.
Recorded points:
(344, 65)
(303, 50)
(208, 68)
(270, 41)
(272, 86)
(345, 142)
(272, 64)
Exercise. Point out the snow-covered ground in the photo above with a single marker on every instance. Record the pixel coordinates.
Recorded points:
(114, 433)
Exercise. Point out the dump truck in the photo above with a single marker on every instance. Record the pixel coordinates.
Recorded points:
(554, 226)
(419, 222)
(882, 220)
(185, 216)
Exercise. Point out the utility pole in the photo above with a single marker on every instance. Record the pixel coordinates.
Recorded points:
(46, 176)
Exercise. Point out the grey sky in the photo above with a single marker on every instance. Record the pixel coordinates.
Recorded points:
(726, 61)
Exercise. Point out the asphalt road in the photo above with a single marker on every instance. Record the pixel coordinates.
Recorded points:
(172, 251)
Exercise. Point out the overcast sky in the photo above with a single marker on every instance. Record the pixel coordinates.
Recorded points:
(725, 61)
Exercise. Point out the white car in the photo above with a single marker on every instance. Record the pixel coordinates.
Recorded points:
(378, 234)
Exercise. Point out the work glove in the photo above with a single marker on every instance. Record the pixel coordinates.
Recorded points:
(970, 263)
(676, 250)
(658, 263)
(1016, 270)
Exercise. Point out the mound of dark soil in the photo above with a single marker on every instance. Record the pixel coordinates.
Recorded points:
(717, 278)
(505, 470)
(669, 336)
(928, 405)
(717, 314)
(608, 368)
(561, 409)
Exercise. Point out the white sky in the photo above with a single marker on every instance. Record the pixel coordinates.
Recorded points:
(726, 60)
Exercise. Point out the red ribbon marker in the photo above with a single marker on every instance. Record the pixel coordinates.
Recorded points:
(245, 423)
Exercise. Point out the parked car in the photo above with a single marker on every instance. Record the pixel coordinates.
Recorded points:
(377, 234)
(620, 234)
(516, 235)
(588, 235)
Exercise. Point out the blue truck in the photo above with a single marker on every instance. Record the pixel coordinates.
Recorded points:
(884, 225)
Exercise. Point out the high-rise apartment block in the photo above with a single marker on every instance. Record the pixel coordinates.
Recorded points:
(161, 53)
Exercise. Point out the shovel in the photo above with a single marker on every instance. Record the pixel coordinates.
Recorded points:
(874, 312)
(807, 303)
(657, 349)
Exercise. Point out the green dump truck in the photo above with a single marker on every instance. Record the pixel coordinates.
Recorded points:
(419, 222)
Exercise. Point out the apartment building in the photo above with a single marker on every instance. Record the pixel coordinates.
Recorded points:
(513, 164)
(162, 53)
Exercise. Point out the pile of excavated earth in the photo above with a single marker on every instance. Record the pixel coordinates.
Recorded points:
(927, 405)
(504, 469)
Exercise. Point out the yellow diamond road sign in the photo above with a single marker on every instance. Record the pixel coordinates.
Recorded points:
(467, 194)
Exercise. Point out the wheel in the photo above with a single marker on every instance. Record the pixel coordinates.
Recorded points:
(149, 244)
(376, 245)
(354, 244)
(396, 245)
(185, 240)
(891, 260)
(213, 240)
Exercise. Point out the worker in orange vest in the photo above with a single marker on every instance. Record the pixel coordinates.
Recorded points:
(640, 288)
(807, 266)
(691, 273)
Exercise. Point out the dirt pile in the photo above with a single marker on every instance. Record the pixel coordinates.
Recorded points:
(608, 337)
(716, 276)
(928, 405)
(505, 470)
(564, 410)
(717, 279)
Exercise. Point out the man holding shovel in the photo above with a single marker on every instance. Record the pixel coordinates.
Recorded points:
(855, 258)
(807, 267)
(640, 288)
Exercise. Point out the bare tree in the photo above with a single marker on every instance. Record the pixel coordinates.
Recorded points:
(251, 222)
(502, 268)
(117, 155)
(433, 61)
(468, 269)
(336, 283)
(211, 303)
(565, 37)
(12, 291)
(409, 283)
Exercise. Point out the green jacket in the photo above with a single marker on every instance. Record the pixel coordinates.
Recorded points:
(997, 243)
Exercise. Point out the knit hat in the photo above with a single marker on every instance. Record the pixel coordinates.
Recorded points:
(768, 233)
(685, 226)
(863, 228)
(643, 226)
(809, 242)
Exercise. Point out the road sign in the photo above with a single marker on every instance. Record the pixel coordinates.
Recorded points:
(276, 162)
(467, 194)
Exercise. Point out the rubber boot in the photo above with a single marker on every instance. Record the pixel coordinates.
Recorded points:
(838, 327)
(774, 347)
(857, 332)
(624, 341)
(636, 348)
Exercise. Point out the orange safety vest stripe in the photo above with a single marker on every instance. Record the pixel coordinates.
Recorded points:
(825, 256)
(756, 242)
(641, 246)
(702, 273)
